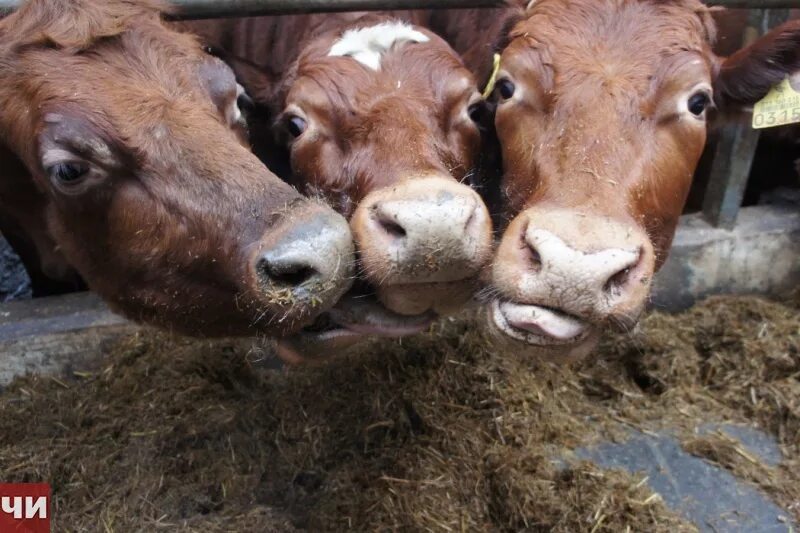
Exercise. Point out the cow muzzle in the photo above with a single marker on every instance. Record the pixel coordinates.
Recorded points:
(356, 317)
(563, 276)
(422, 243)
(303, 266)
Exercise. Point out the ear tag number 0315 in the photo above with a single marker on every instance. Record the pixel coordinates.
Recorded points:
(781, 106)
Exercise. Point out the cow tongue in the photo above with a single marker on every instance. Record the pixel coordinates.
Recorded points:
(365, 315)
(315, 346)
(542, 321)
(353, 317)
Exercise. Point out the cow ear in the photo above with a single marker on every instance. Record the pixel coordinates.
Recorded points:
(511, 19)
(748, 75)
(476, 57)
(257, 81)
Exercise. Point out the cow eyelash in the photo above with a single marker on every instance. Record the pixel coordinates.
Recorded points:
(699, 102)
(696, 101)
(476, 111)
(295, 125)
(68, 173)
(505, 88)
(244, 104)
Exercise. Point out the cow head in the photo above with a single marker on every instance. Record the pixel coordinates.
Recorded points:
(379, 118)
(602, 111)
(127, 144)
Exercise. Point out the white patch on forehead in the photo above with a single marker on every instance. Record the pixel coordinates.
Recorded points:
(367, 45)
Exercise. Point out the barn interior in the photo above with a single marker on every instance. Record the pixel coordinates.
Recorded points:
(690, 422)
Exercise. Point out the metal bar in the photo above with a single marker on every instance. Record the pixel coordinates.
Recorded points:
(241, 8)
(733, 159)
(236, 8)
(202, 9)
(754, 4)
(736, 146)
(198, 9)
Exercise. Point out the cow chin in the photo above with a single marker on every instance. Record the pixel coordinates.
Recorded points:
(442, 298)
(388, 312)
(539, 332)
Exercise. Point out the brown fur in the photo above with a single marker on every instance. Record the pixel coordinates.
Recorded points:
(180, 205)
(610, 109)
(599, 135)
(282, 61)
(477, 34)
(747, 75)
(600, 72)
(369, 131)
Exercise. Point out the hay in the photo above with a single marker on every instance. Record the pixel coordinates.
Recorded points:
(431, 433)
(732, 359)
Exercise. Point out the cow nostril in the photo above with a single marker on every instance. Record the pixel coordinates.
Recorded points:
(390, 226)
(532, 256)
(474, 215)
(393, 229)
(284, 273)
(621, 277)
(534, 259)
(617, 280)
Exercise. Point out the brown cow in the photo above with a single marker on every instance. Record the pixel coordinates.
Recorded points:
(122, 160)
(378, 117)
(602, 110)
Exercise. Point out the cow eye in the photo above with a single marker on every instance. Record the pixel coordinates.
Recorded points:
(68, 174)
(295, 125)
(698, 103)
(476, 111)
(245, 103)
(505, 88)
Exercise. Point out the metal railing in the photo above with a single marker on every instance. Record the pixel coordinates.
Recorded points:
(197, 9)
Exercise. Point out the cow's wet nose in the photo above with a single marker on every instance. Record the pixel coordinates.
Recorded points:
(585, 265)
(288, 269)
(423, 230)
(408, 223)
(605, 272)
(306, 263)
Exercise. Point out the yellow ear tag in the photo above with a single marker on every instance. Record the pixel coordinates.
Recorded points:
(487, 92)
(779, 107)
